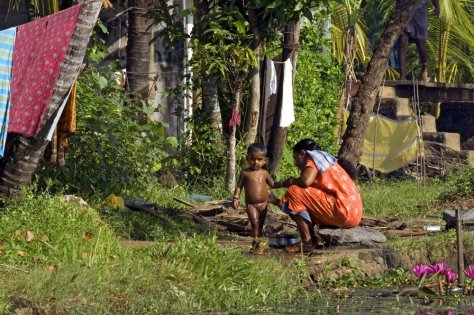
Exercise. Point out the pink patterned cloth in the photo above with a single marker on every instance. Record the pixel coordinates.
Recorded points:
(40, 47)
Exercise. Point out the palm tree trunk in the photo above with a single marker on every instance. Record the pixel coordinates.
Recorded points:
(23, 153)
(210, 99)
(363, 102)
(138, 47)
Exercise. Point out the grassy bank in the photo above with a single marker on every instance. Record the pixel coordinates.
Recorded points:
(401, 198)
(63, 258)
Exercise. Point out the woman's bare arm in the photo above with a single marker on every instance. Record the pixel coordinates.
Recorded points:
(305, 180)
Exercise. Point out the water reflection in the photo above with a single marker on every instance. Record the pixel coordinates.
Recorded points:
(377, 302)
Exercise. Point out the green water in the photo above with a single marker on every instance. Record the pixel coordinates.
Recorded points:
(369, 302)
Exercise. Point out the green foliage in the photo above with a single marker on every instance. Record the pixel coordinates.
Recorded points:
(42, 231)
(317, 90)
(399, 199)
(459, 185)
(225, 53)
(111, 151)
(233, 280)
(76, 266)
(316, 94)
(205, 157)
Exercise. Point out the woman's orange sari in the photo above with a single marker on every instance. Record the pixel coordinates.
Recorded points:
(332, 199)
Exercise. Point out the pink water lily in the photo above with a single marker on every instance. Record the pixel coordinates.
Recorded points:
(450, 275)
(420, 270)
(469, 272)
(437, 268)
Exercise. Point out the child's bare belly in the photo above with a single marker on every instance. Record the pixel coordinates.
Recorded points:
(256, 199)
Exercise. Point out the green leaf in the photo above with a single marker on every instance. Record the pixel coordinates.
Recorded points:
(102, 27)
(272, 5)
(173, 142)
(240, 26)
(101, 81)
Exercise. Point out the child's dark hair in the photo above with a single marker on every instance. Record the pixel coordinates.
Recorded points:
(257, 147)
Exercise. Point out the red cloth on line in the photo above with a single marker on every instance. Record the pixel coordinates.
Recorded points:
(40, 47)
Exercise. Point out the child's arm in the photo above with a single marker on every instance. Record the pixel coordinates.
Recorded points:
(237, 191)
(271, 183)
(274, 184)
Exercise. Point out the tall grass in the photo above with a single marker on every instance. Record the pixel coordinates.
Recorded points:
(64, 258)
(43, 231)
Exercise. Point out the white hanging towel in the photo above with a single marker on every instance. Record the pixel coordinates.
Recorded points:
(287, 115)
(270, 79)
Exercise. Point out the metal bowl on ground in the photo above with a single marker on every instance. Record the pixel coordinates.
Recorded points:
(280, 241)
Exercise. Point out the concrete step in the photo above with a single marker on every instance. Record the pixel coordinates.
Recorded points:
(394, 108)
(448, 139)
(428, 123)
(387, 91)
(468, 155)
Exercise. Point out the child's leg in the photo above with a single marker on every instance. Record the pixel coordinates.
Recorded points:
(252, 213)
(262, 214)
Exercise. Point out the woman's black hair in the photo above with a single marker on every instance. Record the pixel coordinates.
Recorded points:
(306, 144)
(311, 145)
(257, 147)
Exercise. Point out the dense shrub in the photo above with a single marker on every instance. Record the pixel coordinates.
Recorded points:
(111, 150)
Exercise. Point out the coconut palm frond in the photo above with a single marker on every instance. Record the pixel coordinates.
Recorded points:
(349, 32)
(391, 74)
(362, 43)
(452, 37)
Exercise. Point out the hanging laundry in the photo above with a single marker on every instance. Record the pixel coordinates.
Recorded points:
(67, 123)
(7, 41)
(63, 127)
(287, 116)
(270, 78)
(40, 47)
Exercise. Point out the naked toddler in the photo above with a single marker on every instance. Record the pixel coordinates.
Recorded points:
(253, 180)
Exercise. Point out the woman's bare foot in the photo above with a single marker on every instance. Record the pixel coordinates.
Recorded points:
(272, 199)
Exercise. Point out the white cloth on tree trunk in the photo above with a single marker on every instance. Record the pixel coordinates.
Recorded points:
(287, 116)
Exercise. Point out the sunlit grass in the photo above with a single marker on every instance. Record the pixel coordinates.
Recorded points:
(400, 198)
(66, 258)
